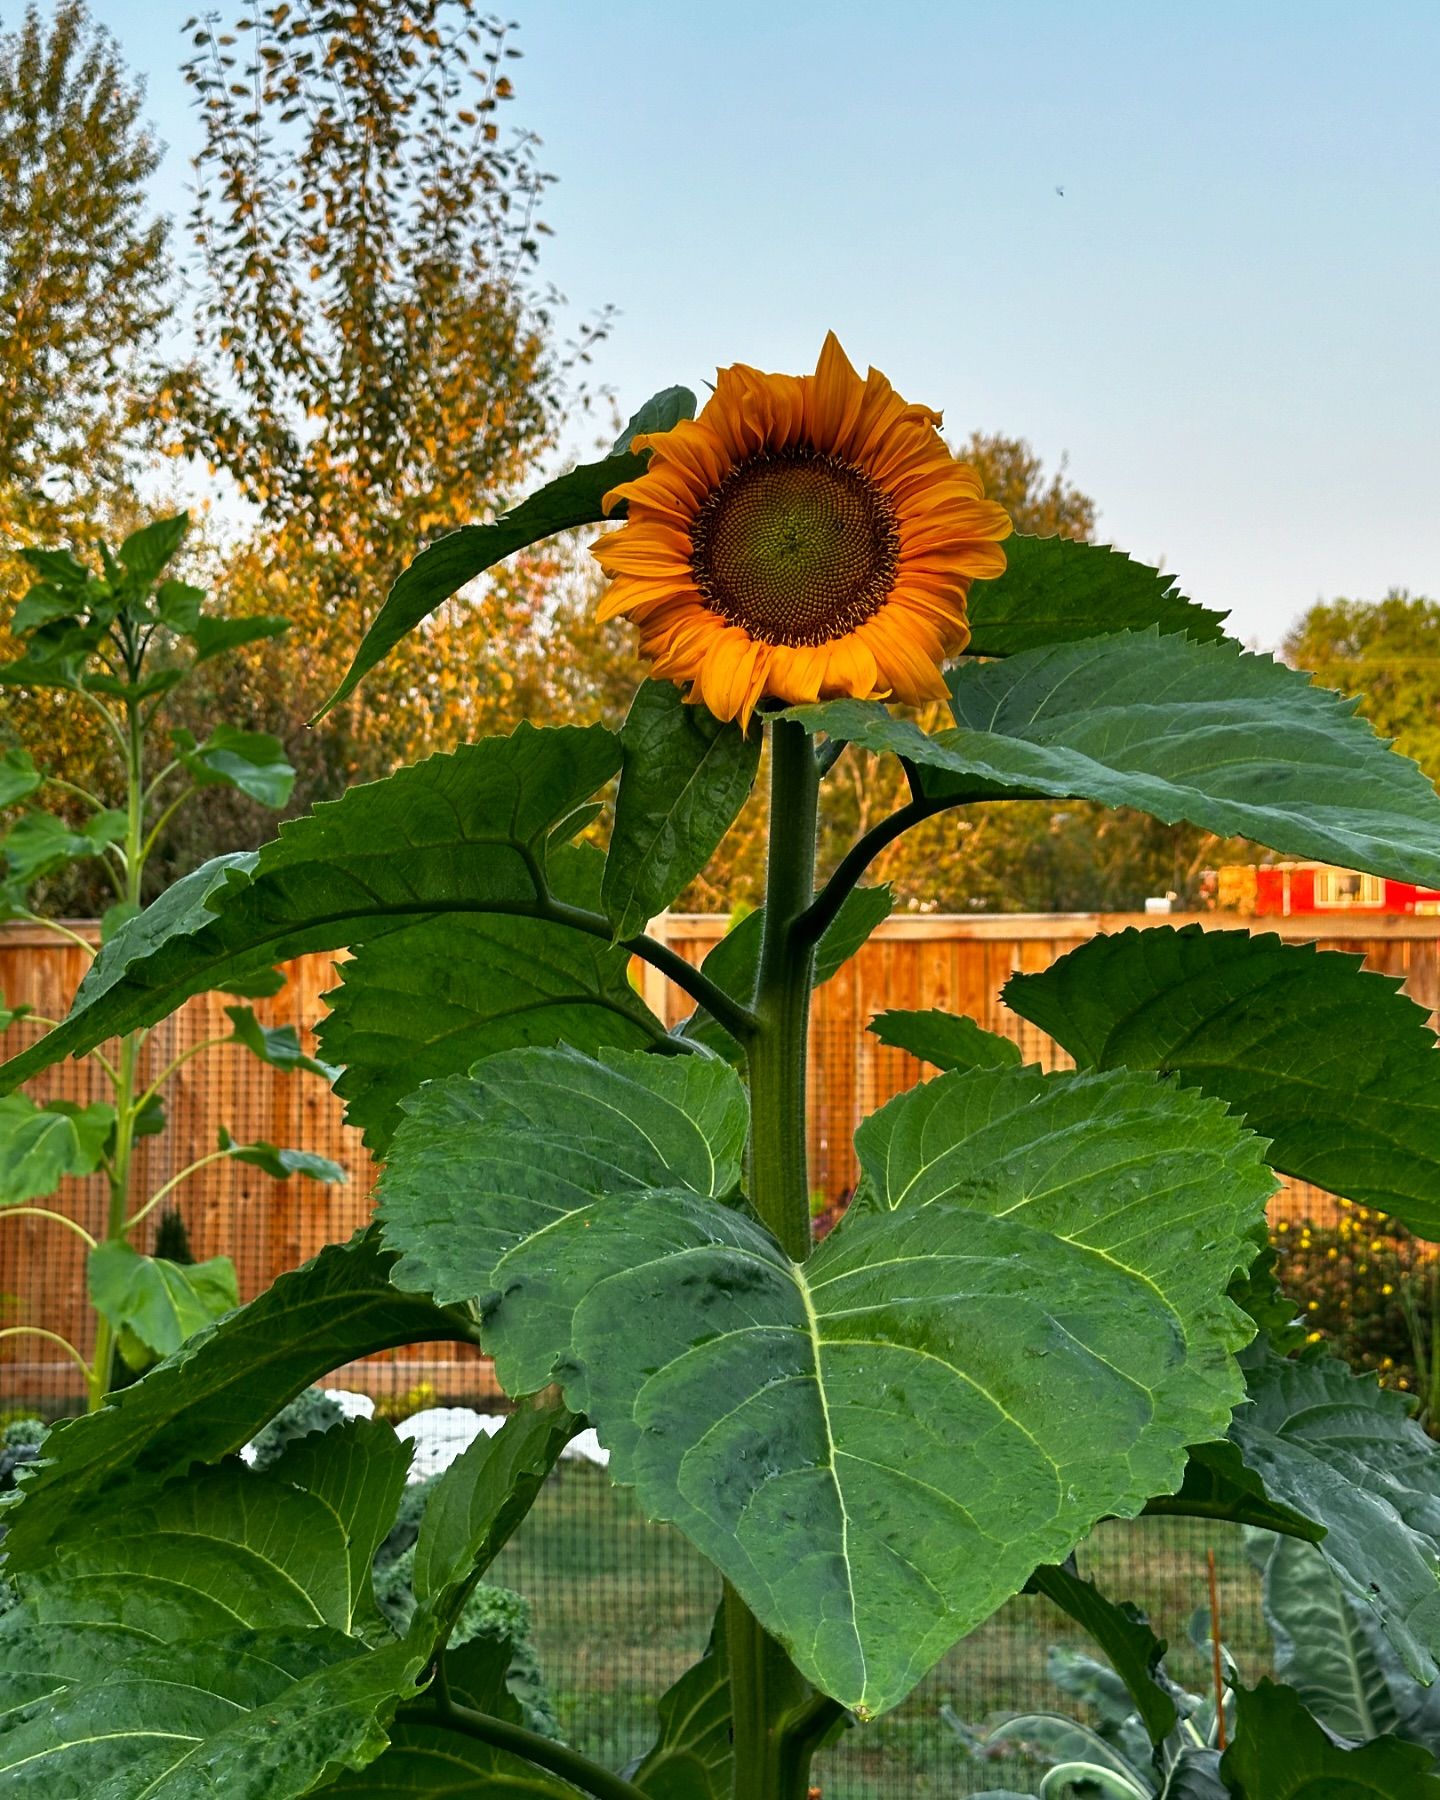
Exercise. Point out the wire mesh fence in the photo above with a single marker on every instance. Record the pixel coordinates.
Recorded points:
(622, 1606)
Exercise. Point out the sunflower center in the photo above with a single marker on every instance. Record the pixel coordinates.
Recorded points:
(796, 546)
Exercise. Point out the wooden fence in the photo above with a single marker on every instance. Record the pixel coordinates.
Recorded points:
(959, 963)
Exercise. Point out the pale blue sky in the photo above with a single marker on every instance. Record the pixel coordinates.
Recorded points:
(1228, 321)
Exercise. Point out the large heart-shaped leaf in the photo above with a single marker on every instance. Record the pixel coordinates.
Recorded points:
(1231, 742)
(460, 833)
(210, 1399)
(284, 1549)
(685, 776)
(446, 565)
(531, 1140)
(1055, 590)
(41, 1145)
(431, 998)
(1000, 1344)
(1329, 1062)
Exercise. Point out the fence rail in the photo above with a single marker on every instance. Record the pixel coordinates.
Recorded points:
(956, 962)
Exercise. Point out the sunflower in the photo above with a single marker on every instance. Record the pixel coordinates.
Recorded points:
(808, 537)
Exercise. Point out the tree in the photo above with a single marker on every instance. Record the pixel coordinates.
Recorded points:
(84, 295)
(375, 365)
(1388, 652)
(83, 288)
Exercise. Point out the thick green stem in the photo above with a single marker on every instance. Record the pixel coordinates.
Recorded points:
(779, 1165)
(128, 1099)
(771, 1702)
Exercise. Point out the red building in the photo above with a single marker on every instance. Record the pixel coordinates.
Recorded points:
(1284, 890)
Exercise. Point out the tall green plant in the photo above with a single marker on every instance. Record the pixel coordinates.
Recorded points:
(1043, 1308)
(120, 640)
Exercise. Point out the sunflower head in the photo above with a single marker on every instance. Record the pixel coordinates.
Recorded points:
(808, 537)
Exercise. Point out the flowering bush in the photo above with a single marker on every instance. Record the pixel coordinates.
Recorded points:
(1367, 1286)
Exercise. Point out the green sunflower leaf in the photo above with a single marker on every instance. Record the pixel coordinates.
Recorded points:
(39, 843)
(216, 637)
(580, 1127)
(482, 1497)
(280, 1165)
(1231, 742)
(461, 833)
(434, 997)
(1331, 1063)
(278, 1045)
(218, 1390)
(427, 1759)
(146, 551)
(1014, 1332)
(445, 566)
(153, 1304)
(685, 776)
(19, 777)
(1281, 1753)
(250, 761)
(1055, 590)
(41, 1145)
(946, 1040)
